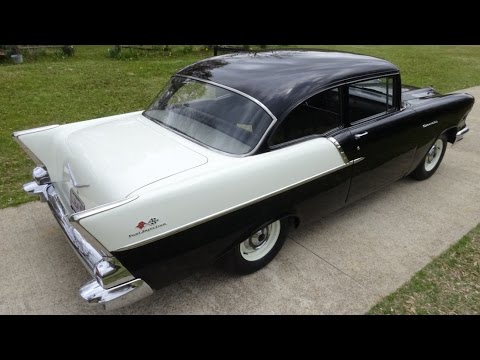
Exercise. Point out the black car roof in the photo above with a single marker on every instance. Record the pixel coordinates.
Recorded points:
(282, 79)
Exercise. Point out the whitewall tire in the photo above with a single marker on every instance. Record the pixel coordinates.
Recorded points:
(259, 249)
(432, 159)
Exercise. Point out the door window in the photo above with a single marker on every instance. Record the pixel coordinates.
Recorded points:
(370, 98)
(318, 115)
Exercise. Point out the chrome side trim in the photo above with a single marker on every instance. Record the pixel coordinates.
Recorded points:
(357, 160)
(339, 148)
(98, 209)
(114, 298)
(249, 97)
(231, 209)
(16, 134)
(461, 133)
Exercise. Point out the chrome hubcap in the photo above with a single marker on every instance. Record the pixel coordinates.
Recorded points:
(259, 238)
(260, 243)
(433, 155)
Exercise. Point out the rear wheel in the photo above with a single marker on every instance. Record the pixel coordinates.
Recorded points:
(432, 160)
(258, 250)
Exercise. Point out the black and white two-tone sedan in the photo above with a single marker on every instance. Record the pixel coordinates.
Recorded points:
(233, 152)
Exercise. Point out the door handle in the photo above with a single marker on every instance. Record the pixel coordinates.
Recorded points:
(358, 136)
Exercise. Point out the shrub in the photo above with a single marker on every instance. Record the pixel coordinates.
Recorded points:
(187, 49)
(115, 52)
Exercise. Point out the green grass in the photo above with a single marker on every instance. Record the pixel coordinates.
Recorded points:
(448, 285)
(446, 68)
(90, 84)
(54, 90)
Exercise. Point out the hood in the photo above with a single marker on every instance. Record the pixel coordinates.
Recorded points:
(106, 161)
(412, 94)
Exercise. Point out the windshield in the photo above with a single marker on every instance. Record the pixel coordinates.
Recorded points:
(211, 115)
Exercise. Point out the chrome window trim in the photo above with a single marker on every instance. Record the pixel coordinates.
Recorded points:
(372, 118)
(395, 107)
(249, 97)
(345, 122)
(311, 136)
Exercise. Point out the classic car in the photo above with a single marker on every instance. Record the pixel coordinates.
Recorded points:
(236, 151)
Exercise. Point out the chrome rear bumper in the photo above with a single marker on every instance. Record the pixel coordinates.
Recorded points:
(113, 286)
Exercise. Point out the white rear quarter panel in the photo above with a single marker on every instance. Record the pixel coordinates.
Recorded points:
(221, 186)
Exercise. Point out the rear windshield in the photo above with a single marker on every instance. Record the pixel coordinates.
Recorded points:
(211, 115)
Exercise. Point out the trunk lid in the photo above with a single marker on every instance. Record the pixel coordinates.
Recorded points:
(106, 161)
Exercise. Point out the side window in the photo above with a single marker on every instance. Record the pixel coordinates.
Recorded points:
(315, 116)
(370, 98)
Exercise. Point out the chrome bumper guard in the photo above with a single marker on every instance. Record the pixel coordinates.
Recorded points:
(113, 285)
(461, 134)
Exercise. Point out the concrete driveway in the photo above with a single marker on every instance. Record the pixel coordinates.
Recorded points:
(343, 264)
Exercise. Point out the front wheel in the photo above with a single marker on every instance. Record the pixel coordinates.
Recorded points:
(432, 160)
(258, 250)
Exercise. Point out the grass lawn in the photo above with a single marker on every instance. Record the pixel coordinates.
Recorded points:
(448, 285)
(90, 84)
(86, 86)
